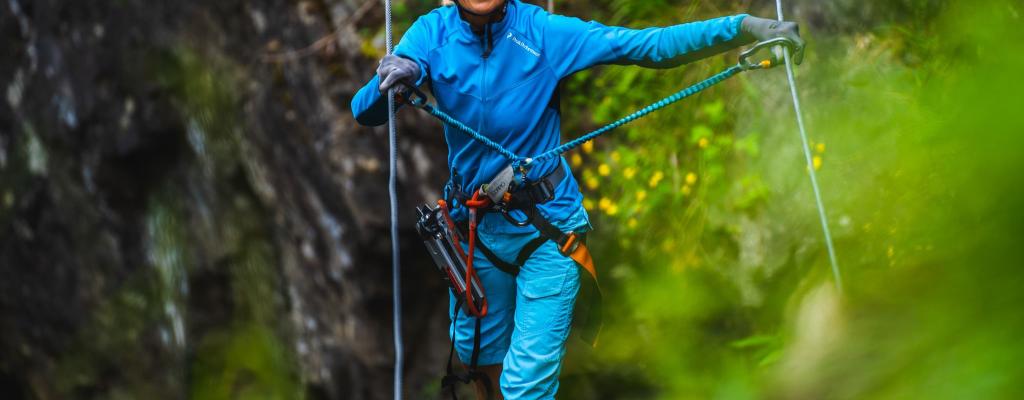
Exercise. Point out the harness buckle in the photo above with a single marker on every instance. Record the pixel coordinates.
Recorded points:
(572, 242)
(505, 212)
(746, 55)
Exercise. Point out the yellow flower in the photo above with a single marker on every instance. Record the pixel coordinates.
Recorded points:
(614, 209)
(686, 190)
(641, 195)
(629, 172)
(632, 223)
(817, 162)
(668, 245)
(588, 204)
(616, 156)
(655, 179)
(604, 204)
(592, 183)
(702, 143)
(604, 170)
(577, 160)
(820, 147)
(891, 252)
(588, 147)
(691, 178)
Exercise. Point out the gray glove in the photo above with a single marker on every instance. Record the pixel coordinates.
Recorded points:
(761, 29)
(394, 69)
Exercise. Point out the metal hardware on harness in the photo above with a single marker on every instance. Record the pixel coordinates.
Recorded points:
(505, 212)
(500, 185)
(442, 241)
(572, 242)
(746, 55)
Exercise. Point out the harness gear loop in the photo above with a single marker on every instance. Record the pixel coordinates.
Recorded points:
(474, 204)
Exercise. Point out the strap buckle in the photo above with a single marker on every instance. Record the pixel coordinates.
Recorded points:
(505, 210)
(543, 191)
(572, 242)
(746, 55)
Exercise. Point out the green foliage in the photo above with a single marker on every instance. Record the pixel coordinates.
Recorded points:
(708, 239)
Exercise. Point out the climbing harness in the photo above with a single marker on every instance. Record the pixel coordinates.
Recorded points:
(810, 161)
(442, 237)
(396, 283)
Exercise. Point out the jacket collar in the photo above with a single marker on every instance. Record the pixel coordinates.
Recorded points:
(497, 28)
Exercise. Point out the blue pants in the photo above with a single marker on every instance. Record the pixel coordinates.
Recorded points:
(528, 316)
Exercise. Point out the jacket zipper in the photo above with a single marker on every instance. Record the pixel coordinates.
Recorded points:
(483, 76)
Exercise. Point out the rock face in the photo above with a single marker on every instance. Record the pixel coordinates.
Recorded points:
(188, 209)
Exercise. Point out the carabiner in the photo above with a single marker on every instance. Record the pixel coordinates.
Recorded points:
(746, 64)
(413, 96)
(505, 212)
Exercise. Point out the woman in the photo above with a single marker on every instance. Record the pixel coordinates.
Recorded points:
(495, 66)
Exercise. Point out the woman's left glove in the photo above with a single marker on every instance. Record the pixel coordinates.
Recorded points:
(394, 69)
(761, 29)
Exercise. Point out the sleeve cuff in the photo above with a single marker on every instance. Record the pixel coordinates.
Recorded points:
(738, 23)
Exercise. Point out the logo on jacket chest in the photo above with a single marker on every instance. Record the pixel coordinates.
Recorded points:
(522, 44)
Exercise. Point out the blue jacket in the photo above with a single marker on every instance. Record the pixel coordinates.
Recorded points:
(503, 83)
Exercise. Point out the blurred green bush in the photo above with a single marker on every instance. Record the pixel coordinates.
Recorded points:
(707, 235)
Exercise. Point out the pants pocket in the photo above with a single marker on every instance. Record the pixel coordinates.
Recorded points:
(541, 302)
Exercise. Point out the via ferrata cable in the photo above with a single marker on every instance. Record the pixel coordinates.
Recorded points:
(396, 284)
(810, 160)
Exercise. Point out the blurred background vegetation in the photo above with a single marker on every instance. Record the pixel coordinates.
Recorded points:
(239, 265)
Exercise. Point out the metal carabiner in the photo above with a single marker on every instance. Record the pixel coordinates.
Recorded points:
(505, 212)
(412, 95)
(746, 55)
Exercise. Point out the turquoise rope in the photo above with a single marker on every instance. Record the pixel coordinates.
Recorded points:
(448, 119)
(518, 161)
(682, 94)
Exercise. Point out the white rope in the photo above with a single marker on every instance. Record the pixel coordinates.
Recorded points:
(396, 284)
(810, 161)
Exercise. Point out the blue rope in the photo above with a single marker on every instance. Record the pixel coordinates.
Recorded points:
(682, 94)
(448, 119)
(522, 163)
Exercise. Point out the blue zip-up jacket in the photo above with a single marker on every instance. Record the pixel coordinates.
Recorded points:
(502, 82)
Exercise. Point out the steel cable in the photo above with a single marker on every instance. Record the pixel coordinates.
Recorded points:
(396, 282)
(810, 160)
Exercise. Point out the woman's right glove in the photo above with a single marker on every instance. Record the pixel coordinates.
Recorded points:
(761, 29)
(394, 69)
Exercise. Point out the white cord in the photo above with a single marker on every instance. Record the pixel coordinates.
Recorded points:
(396, 284)
(810, 161)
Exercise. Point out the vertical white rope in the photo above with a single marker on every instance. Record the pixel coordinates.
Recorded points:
(810, 161)
(396, 283)
(551, 6)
